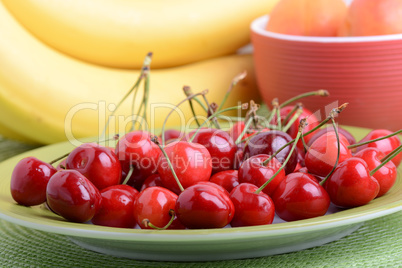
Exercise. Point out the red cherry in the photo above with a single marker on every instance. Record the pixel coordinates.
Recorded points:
(253, 171)
(204, 206)
(117, 206)
(322, 154)
(97, 163)
(385, 145)
(29, 180)
(299, 196)
(238, 128)
(61, 165)
(268, 143)
(220, 146)
(153, 180)
(351, 185)
(228, 179)
(386, 175)
(153, 205)
(342, 132)
(251, 208)
(135, 149)
(190, 161)
(72, 196)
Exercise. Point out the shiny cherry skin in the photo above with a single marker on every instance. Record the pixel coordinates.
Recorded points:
(228, 179)
(153, 204)
(202, 206)
(73, 196)
(351, 185)
(29, 180)
(251, 209)
(97, 163)
(299, 196)
(61, 165)
(321, 156)
(268, 143)
(312, 122)
(253, 171)
(191, 163)
(153, 180)
(238, 160)
(346, 134)
(117, 206)
(386, 145)
(220, 146)
(135, 149)
(386, 175)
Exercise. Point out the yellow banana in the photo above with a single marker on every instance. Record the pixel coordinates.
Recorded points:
(7, 133)
(44, 94)
(118, 33)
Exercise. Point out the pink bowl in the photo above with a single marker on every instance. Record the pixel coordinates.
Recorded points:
(366, 72)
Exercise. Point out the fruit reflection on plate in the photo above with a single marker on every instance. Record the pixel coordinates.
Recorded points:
(194, 245)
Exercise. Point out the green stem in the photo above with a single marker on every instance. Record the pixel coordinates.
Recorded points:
(187, 98)
(154, 139)
(128, 176)
(374, 140)
(59, 158)
(321, 92)
(147, 223)
(246, 127)
(338, 143)
(283, 164)
(298, 111)
(387, 158)
(235, 80)
(214, 115)
(211, 111)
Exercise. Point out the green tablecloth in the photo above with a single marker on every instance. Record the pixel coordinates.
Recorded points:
(378, 243)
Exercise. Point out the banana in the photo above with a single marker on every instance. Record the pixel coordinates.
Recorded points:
(118, 33)
(7, 133)
(49, 97)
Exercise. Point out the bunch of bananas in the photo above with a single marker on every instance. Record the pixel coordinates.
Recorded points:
(65, 62)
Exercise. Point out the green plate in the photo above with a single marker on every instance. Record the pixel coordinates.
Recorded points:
(194, 245)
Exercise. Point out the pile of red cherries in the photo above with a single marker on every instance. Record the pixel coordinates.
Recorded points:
(214, 178)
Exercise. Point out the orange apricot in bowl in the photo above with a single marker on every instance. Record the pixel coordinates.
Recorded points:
(307, 17)
(372, 17)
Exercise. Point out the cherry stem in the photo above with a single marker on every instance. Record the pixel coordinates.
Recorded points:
(235, 81)
(387, 158)
(278, 113)
(188, 92)
(391, 154)
(154, 139)
(187, 98)
(145, 65)
(212, 112)
(147, 223)
(303, 123)
(251, 117)
(243, 106)
(294, 109)
(127, 178)
(187, 89)
(321, 92)
(374, 140)
(59, 158)
(299, 111)
(338, 143)
(332, 113)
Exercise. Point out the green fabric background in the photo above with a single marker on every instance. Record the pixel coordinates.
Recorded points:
(378, 243)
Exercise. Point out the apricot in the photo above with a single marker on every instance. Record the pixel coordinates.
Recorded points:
(374, 17)
(307, 17)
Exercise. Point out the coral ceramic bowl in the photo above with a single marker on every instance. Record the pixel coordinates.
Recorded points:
(366, 72)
